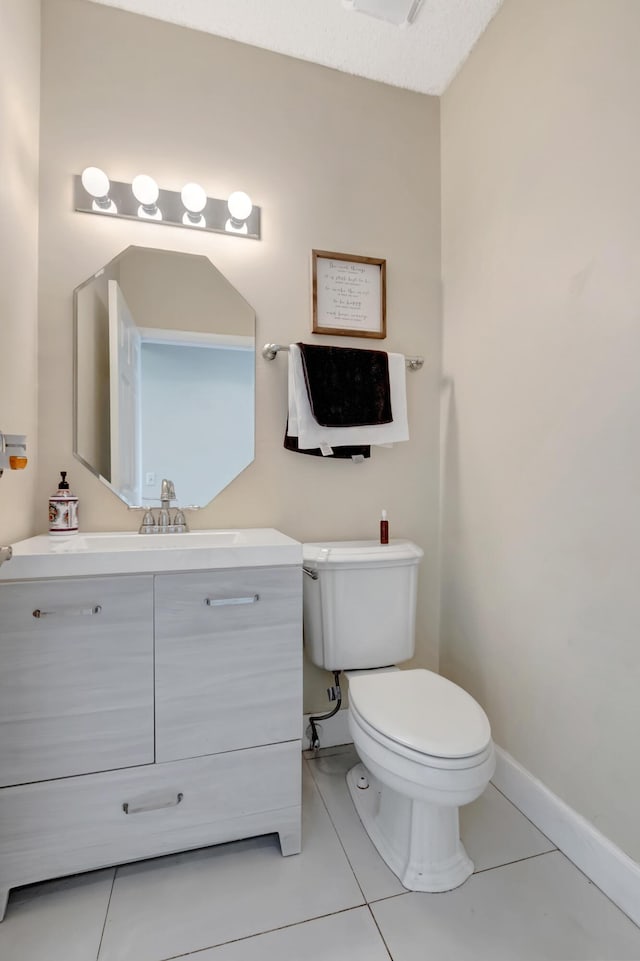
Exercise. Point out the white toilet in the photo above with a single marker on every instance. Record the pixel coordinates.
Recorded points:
(425, 743)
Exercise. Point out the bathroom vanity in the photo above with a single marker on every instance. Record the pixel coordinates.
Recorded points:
(150, 698)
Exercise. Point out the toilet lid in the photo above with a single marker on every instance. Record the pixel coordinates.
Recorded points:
(423, 711)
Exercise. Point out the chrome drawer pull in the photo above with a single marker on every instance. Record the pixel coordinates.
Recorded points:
(152, 805)
(226, 601)
(79, 612)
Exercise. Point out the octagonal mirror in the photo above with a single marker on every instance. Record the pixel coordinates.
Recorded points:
(164, 377)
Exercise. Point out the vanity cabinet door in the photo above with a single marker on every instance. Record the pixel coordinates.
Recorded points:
(76, 676)
(228, 660)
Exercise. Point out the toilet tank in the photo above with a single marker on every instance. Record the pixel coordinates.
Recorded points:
(360, 603)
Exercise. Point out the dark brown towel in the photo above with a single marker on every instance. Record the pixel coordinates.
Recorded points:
(347, 386)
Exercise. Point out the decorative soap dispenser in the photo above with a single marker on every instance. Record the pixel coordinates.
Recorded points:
(63, 509)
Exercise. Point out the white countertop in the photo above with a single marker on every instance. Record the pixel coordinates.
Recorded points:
(125, 552)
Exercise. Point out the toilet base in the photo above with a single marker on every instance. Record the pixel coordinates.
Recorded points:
(419, 841)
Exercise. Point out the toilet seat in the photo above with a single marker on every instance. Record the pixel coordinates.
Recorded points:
(419, 758)
(419, 714)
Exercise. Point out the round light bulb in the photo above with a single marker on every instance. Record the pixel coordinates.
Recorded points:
(145, 190)
(194, 198)
(240, 205)
(95, 181)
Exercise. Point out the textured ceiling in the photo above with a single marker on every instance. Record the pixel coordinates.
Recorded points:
(424, 56)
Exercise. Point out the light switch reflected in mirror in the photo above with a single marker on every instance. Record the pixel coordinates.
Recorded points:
(164, 377)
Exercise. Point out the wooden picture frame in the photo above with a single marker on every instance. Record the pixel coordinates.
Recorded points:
(349, 295)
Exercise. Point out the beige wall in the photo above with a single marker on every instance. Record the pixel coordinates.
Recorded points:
(335, 162)
(541, 247)
(19, 116)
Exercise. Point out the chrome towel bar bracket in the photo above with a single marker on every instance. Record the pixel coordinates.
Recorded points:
(269, 352)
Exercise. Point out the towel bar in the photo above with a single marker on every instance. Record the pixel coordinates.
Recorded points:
(269, 352)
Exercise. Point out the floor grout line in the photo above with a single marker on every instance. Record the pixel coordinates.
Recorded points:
(373, 918)
(400, 894)
(106, 913)
(527, 857)
(324, 804)
(258, 934)
(495, 867)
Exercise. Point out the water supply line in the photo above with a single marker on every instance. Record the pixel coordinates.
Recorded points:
(334, 694)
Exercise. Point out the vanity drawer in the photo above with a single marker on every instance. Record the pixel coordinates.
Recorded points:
(77, 824)
(76, 676)
(228, 660)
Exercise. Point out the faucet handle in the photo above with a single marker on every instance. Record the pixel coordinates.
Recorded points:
(148, 523)
(180, 522)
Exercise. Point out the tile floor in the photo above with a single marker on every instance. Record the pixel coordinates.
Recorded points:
(337, 901)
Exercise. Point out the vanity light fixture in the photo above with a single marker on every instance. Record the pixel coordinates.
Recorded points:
(144, 200)
(96, 183)
(146, 192)
(195, 200)
(240, 206)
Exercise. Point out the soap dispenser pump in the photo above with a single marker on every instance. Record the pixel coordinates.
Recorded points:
(63, 509)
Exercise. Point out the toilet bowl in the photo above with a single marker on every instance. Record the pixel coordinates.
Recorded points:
(426, 750)
(424, 743)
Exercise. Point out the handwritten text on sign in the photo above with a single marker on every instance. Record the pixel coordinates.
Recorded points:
(348, 294)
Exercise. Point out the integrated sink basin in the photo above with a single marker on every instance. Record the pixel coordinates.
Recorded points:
(126, 552)
(124, 541)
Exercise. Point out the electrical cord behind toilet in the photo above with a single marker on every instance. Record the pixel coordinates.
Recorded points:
(334, 694)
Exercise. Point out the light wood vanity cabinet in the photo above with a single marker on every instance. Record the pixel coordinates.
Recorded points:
(118, 742)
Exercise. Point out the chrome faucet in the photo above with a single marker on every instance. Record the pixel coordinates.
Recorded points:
(167, 494)
(163, 524)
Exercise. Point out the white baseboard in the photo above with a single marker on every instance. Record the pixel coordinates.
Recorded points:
(603, 862)
(333, 731)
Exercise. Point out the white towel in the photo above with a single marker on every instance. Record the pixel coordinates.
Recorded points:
(304, 426)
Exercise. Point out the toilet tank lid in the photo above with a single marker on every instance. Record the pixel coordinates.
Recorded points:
(360, 553)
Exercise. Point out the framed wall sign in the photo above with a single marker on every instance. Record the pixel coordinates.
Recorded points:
(349, 295)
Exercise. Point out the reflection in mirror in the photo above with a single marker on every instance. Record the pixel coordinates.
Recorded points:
(164, 377)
